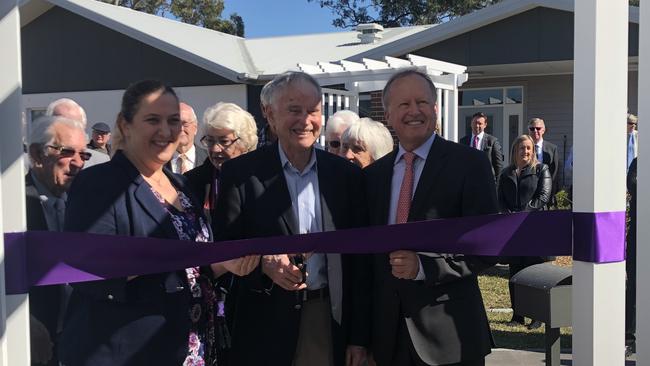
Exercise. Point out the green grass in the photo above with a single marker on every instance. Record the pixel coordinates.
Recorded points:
(494, 288)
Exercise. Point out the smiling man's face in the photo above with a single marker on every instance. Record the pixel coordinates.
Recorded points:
(411, 110)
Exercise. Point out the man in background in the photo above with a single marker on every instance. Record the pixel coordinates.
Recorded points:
(188, 155)
(481, 140)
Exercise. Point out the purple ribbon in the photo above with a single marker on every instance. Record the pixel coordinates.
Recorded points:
(599, 237)
(43, 258)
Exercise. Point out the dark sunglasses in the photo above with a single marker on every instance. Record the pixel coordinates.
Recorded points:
(334, 144)
(68, 152)
(631, 124)
(535, 128)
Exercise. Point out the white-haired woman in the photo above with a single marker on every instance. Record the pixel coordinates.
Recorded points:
(228, 131)
(334, 128)
(366, 141)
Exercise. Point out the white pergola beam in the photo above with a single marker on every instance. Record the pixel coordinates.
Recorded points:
(374, 64)
(329, 67)
(436, 64)
(397, 62)
(352, 66)
(600, 103)
(14, 309)
(643, 195)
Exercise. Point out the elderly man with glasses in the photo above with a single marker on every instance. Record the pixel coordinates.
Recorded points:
(57, 153)
(546, 151)
(188, 155)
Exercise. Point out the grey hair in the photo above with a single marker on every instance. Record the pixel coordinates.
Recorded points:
(192, 113)
(536, 120)
(632, 118)
(232, 117)
(403, 74)
(43, 132)
(344, 118)
(373, 135)
(66, 101)
(265, 95)
(282, 81)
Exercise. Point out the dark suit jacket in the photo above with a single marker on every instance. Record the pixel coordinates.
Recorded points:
(144, 321)
(44, 301)
(444, 314)
(201, 155)
(254, 201)
(552, 160)
(201, 178)
(491, 146)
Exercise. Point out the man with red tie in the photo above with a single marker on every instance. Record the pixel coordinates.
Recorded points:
(481, 140)
(427, 307)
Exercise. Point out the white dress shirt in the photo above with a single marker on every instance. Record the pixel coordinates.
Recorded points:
(480, 140)
(190, 162)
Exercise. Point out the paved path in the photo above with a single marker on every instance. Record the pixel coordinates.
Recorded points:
(508, 357)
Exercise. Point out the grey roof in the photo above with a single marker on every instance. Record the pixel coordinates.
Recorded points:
(241, 59)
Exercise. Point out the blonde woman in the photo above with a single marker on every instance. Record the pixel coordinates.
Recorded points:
(525, 185)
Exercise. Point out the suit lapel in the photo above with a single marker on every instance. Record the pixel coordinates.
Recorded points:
(384, 188)
(432, 166)
(326, 190)
(274, 182)
(150, 204)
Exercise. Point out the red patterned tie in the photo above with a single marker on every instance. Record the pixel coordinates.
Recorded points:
(406, 190)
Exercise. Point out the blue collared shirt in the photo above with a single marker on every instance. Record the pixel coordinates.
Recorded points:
(305, 198)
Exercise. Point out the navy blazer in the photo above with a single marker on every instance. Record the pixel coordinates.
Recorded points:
(144, 321)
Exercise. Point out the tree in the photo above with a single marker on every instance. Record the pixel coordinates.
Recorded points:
(205, 13)
(397, 13)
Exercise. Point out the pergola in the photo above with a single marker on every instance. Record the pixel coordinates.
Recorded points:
(600, 77)
(371, 75)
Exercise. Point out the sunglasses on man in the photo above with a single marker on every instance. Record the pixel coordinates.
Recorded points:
(631, 123)
(334, 144)
(535, 128)
(68, 152)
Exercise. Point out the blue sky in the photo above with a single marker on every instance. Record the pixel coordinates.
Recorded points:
(264, 18)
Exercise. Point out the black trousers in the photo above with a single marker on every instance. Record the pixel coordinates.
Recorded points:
(405, 354)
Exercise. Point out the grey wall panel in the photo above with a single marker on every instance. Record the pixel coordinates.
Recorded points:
(537, 35)
(63, 51)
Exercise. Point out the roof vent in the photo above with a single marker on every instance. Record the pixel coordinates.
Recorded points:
(369, 33)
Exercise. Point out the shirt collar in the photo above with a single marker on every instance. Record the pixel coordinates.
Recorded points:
(42, 190)
(311, 165)
(480, 135)
(540, 142)
(421, 152)
(190, 154)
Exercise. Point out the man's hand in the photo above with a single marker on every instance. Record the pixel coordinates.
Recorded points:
(405, 264)
(242, 266)
(355, 356)
(283, 273)
(41, 342)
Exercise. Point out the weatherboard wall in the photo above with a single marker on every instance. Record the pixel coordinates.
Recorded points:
(63, 51)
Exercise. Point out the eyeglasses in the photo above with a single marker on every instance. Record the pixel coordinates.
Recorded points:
(356, 149)
(334, 144)
(631, 124)
(531, 128)
(68, 152)
(208, 142)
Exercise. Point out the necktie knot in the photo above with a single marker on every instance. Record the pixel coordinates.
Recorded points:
(409, 157)
(182, 164)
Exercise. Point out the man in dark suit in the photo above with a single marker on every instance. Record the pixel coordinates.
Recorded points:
(546, 151)
(189, 155)
(485, 142)
(57, 152)
(427, 307)
(279, 316)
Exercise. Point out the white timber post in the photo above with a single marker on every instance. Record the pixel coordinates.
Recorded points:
(445, 114)
(643, 196)
(14, 309)
(600, 104)
(453, 112)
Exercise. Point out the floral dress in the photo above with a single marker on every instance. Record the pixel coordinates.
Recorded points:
(204, 304)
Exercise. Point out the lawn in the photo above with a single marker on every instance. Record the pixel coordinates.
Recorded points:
(494, 288)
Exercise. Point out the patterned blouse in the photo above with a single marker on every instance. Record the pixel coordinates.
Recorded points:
(204, 304)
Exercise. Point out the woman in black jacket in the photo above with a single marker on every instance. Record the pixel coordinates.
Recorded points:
(525, 185)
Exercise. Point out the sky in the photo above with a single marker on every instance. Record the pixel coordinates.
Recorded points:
(266, 18)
